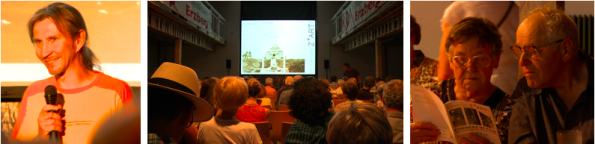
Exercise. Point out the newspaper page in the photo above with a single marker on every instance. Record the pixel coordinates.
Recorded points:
(427, 107)
(471, 118)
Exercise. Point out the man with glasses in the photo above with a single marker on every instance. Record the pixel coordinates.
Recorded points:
(556, 92)
(173, 105)
(474, 48)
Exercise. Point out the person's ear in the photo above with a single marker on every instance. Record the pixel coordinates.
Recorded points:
(567, 49)
(80, 40)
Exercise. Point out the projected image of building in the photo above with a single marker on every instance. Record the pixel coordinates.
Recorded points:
(274, 60)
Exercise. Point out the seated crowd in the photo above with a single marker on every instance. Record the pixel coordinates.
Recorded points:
(227, 109)
(554, 93)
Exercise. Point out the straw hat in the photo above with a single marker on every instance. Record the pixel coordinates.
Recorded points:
(182, 80)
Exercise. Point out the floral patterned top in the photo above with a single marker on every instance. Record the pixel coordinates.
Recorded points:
(423, 70)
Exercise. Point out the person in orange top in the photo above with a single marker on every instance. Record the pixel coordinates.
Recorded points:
(269, 87)
(59, 35)
(251, 111)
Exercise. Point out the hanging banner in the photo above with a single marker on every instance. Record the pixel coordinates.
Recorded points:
(194, 11)
(357, 12)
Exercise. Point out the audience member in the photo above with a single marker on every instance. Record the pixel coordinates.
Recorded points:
(350, 89)
(392, 98)
(325, 83)
(364, 93)
(206, 92)
(374, 90)
(389, 78)
(173, 104)
(295, 78)
(262, 100)
(360, 123)
(474, 47)
(271, 92)
(334, 84)
(309, 105)
(251, 111)
(423, 70)
(556, 92)
(338, 93)
(505, 16)
(230, 94)
(288, 86)
(378, 91)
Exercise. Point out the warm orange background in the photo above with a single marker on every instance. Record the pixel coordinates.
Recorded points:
(113, 30)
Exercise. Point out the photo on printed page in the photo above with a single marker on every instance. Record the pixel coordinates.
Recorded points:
(472, 117)
(70, 72)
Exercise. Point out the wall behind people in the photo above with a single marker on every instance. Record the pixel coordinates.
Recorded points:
(207, 63)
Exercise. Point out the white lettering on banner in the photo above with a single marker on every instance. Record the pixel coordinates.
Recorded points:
(357, 12)
(195, 11)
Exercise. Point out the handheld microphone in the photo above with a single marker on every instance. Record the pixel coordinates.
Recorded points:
(51, 98)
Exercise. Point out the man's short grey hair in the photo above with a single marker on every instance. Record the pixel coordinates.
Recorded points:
(557, 25)
(268, 81)
(289, 80)
(393, 94)
(361, 123)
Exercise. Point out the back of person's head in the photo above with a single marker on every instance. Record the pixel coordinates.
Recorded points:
(268, 81)
(352, 80)
(263, 91)
(253, 87)
(369, 82)
(347, 65)
(340, 82)
(309, 100)
(289, 81)
(231, 93)
(350, 89)
(389, 78)
(334, 78)
(361, 123)
(393, 94)
(69, 22)
(415, 30)
(206, 90)
(295, 78)
(325, 83)
(378, 79)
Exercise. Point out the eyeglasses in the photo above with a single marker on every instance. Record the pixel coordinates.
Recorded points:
(480, 61)
(531, 50)
(191, 118)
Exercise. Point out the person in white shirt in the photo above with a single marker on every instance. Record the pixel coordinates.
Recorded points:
(230, 94)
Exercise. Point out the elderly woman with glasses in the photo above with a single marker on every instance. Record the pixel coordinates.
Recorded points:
(473, 46)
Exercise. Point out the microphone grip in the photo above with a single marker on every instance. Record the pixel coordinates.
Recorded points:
(54, 136)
